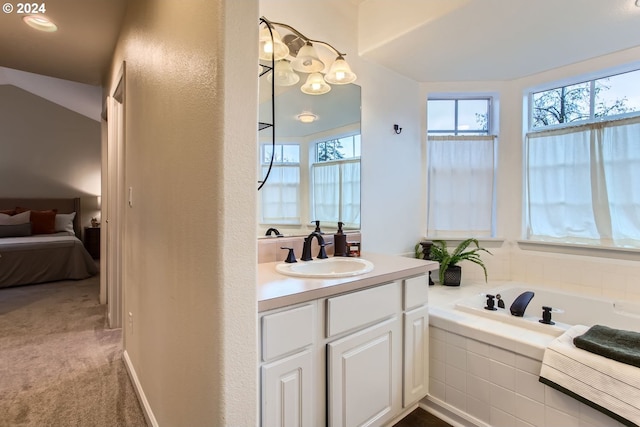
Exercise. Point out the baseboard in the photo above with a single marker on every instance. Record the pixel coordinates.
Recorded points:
(450, 414)
(146, 408)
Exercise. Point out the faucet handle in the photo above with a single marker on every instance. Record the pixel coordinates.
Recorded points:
(291, 256)
(322, 254)
(490, 303)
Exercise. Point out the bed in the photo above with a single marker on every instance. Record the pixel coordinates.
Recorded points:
(33, 249)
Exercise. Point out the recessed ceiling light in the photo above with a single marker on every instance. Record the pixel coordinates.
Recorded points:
(40, 23)
(307, 117)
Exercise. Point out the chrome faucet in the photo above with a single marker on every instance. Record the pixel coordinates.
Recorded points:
(520, 304)
(306, 247)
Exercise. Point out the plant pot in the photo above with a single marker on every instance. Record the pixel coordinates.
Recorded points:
(452, 275)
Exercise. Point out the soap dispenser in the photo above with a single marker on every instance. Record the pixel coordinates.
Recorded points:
(340, 242)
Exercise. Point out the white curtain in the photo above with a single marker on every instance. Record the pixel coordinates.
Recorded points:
(583, 183)
(460, 186)
(335, 192)
(280, 196)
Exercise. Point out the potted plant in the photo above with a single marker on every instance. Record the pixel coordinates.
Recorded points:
(450, 272)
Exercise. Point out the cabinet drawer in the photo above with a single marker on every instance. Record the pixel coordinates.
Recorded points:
(361, 308)
(286, 331)
(416, 291)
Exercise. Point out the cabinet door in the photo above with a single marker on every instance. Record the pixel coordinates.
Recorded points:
(364, 382)
(416, 354)
(287, 393)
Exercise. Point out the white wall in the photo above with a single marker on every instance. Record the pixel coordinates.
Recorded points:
(189, 244)
(392, 185)
(613, 274)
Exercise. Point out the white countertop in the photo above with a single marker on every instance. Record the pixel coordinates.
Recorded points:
(276, 290)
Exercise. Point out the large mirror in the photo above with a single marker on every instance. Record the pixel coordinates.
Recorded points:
(316, 169)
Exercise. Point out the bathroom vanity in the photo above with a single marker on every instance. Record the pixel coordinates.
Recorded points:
(344, 351)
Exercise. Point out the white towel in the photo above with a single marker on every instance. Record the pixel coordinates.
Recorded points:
(609, 384)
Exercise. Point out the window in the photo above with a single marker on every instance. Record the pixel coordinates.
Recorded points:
(281, 198)
(335, 181)
(461, 168)
(583, 163)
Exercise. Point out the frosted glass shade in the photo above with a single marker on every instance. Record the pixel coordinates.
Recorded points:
(340, 73)
(315, 85)
(307, 60)
(284, 74)
(269, 48)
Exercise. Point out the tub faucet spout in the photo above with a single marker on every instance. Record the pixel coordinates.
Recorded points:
(520, 304)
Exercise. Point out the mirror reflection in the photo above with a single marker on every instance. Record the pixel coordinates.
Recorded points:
(316, 170)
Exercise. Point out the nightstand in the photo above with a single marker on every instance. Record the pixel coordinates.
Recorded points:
(92, 241)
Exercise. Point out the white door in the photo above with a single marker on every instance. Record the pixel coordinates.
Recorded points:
(416, 354)
(287, 391)
(363, 371)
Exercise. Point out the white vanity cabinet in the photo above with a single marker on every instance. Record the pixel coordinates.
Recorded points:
(288, 367)
(364, 382)
(356, 358)
(416, 340)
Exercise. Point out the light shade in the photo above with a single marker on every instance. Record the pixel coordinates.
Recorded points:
(315, 85)
(269, 48)
(306, 117)
(40, 23)
(307, 60)
(340, 73)
(284, 74)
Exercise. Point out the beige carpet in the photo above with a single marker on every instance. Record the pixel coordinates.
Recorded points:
(59, 364)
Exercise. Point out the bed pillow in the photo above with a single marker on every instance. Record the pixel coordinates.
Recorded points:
(15, 230)
(8, 212)
(43, 222)
(21, 218)
(64, 222)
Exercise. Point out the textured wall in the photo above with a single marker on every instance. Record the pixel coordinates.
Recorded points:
(189, 244)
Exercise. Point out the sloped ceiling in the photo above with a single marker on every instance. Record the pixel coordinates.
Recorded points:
(464, 40)
(426, 40)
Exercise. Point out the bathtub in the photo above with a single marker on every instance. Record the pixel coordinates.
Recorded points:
(484, 365)
(568, 310)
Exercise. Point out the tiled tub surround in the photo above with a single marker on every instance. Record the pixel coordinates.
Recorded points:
(485, 372)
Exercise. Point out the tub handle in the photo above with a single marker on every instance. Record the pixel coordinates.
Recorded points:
(491, 304)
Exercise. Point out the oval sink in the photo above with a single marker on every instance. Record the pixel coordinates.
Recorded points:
(326, 268)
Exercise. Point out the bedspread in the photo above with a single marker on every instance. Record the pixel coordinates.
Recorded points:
(44, 258)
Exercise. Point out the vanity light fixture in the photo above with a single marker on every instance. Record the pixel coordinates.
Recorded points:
(271, 45)
(315, 85)
(306, 117)
(284, 74)
(40, 23)
(303, 58)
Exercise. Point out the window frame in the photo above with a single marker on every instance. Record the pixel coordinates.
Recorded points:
(455, 131)
(492, 99)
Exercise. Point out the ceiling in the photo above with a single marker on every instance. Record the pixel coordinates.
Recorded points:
(475, 40)
(79, 51)
(463, 40)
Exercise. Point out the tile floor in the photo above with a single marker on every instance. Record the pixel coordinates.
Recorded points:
(421, 418)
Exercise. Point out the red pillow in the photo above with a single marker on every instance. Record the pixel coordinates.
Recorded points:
(10, 212)
(43, 222)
